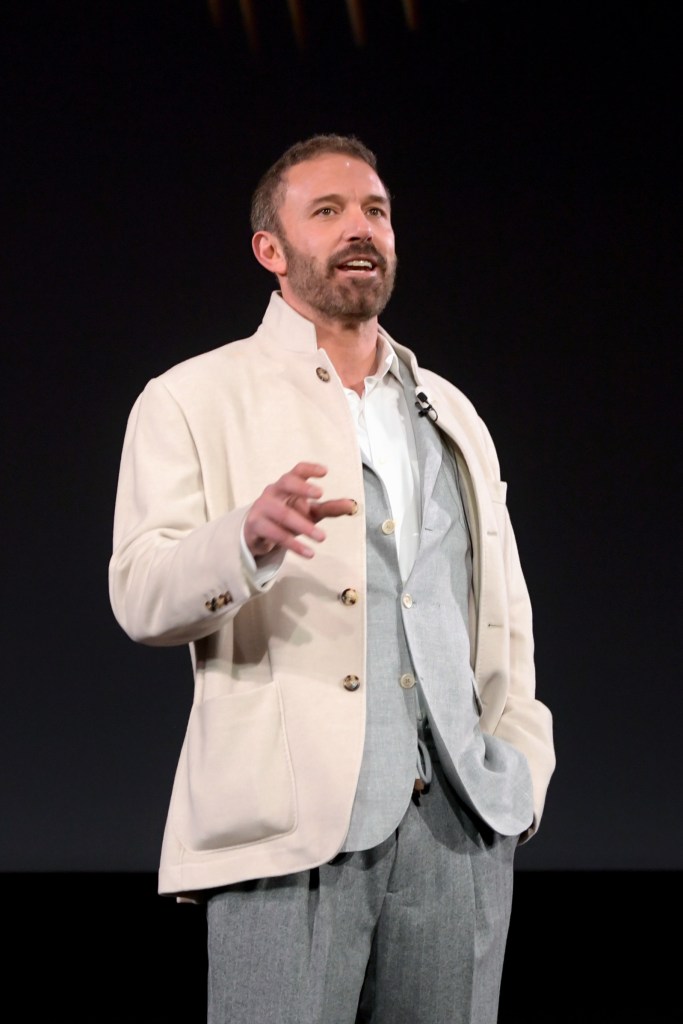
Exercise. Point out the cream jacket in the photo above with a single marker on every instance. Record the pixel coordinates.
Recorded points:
(266, 776)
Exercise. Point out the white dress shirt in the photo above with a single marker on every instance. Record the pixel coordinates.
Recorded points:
(385, 436)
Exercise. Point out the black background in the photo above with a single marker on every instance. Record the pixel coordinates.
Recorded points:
(533, 155)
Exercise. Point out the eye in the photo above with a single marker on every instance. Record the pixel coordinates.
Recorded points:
(377, 211)
(324, 211)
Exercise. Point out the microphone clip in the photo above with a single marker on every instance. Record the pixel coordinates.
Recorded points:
(425, 407)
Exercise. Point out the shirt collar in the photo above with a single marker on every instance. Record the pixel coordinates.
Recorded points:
(388, 366)
(387, 361)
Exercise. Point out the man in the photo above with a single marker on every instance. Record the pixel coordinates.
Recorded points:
(324, 523)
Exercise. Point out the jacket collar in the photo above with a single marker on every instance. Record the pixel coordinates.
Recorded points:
(289, 330)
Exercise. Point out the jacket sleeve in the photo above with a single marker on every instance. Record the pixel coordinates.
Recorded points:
(174, 576)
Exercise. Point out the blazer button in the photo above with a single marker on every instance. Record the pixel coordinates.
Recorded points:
(388, 526)
(218, 602)
(407, 601)
(348, 596)
(407, 681)
(323, 374)
(351, 683)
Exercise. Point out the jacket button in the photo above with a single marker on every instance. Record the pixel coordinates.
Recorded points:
(407, 681)
(351, 683)
(407, 601)
(323, 374)
(218, 602)
(388, 526)
(348, 596)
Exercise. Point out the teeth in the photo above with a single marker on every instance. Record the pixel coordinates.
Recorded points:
(359, 263)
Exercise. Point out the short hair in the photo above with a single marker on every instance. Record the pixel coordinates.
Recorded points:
(269, 192)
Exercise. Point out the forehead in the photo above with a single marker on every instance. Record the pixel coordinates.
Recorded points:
(331, 174)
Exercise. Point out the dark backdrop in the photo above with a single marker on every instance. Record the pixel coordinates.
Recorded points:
(532, 151)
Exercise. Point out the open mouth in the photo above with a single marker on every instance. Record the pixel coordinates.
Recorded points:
(358, 264)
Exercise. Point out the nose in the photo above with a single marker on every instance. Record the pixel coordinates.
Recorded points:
(358, 225)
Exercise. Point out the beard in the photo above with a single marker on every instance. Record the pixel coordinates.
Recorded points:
(353, 300)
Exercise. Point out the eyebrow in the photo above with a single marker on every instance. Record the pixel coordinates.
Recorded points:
(335, 197)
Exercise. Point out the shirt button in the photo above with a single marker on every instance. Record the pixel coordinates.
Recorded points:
(407, 681)
(388, 526)
(323, 374)
(407, 601)
(348, 596)
(351, 683)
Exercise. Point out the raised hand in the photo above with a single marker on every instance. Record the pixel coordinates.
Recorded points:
(289, 509)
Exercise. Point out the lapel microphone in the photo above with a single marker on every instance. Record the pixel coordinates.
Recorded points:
(425, 407)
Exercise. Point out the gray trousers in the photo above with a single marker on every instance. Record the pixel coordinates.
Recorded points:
(412, 931)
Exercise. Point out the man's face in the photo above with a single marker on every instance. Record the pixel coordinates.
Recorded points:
(337, 239)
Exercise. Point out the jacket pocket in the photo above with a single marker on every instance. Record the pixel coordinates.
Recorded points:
(235, 783)
(498, 492)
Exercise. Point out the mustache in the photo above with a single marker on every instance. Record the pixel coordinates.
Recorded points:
(357, 251)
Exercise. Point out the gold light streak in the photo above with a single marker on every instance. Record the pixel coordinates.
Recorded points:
(356, 11)
(410, 10)
(250, 26)
(296, 13)
(357, 19)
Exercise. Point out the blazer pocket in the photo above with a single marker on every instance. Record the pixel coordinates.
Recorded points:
(498, 492)
(235, 784)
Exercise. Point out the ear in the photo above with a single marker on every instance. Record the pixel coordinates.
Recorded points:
(268, 251)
